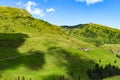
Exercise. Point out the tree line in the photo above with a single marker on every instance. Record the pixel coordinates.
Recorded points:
(100, 72)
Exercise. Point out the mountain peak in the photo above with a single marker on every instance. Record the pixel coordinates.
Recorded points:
(13, 12)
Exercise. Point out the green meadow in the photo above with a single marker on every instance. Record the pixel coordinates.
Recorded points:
(33, 49)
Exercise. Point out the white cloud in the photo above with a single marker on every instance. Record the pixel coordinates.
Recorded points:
(50, 10)
(89, 1)
(19, 3)
(30, 7)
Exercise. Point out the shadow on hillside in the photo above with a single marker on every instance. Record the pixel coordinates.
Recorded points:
(55, 77)
(75, 64)
(79, 67)
(10, 57)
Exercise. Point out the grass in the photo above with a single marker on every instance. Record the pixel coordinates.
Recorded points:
(41, 51)
(113, 47)
(54, 61)
(113, 78)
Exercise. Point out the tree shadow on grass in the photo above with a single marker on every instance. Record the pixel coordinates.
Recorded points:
(76, 65)
(56, 77)
(11, 58)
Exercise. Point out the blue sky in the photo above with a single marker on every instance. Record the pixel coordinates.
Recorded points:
(71, 12)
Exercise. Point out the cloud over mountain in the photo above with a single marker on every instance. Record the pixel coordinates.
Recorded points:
(30, 7)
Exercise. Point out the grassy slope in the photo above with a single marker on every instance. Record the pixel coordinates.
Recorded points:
(113, 78)
(43, 51)
(94, 33)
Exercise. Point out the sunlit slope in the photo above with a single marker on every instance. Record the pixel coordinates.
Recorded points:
(33, 49)
(94, 33)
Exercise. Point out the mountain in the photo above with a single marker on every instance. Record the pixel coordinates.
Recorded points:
(9, 12)
(33, 49)
(94, 33)
(19, 20)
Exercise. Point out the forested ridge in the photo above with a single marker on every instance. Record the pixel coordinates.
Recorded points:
(94, 33)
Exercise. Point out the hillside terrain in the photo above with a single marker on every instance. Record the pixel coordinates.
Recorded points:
(94, 33)
(33, 49)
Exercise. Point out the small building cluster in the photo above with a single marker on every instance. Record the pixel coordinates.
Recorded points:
(85, 49)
